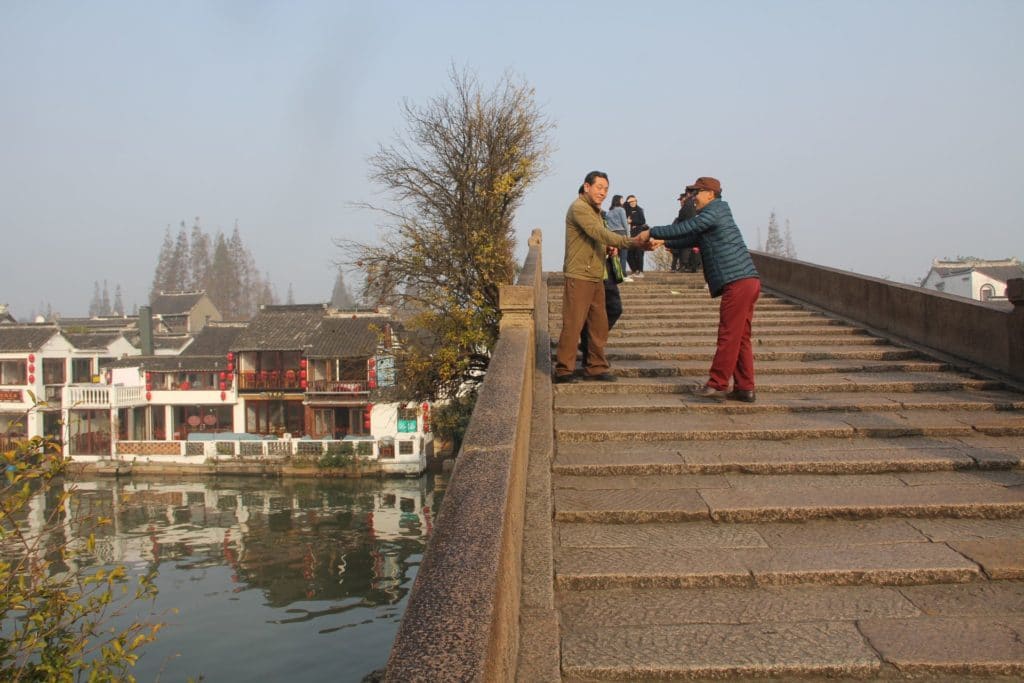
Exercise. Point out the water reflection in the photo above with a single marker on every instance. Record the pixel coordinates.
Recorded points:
(272, 580)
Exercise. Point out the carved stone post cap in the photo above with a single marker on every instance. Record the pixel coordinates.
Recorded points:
(1015, 291)
(515, 298)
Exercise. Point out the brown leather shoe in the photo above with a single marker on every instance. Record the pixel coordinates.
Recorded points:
(709, 392)
(745, 395)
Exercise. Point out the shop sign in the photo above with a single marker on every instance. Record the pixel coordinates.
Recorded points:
(385, 371)
(10, 396)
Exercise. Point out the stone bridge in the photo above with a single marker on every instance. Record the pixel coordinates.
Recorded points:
(864, 519)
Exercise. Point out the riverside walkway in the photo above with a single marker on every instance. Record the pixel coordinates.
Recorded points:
(863, 520)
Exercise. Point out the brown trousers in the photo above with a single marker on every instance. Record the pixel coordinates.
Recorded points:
(582, 302)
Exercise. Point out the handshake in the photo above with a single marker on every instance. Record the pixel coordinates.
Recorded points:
(644, 241)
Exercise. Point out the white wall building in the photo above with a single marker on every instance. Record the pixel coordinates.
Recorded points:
(973, 278)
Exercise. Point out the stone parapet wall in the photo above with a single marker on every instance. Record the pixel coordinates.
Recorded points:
(988, 334)
(462, 621)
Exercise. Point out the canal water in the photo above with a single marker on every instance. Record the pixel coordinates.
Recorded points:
(267, 580)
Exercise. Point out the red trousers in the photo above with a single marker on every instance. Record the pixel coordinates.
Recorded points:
(734, 357)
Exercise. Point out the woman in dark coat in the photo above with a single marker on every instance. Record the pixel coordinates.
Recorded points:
(637, 224)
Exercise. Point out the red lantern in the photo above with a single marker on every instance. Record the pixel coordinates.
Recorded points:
(302, 362)
(426, 417)
(371, 372)
(231, 367)
(31, 358)
(149, 396)
(223, 375)
(31, 368)
(185, 386)
(223, 396)
(303, 384)
(223, 386)
(302, 374)
(149, 387)
(366, 416)
(231, 356)
(149, 376)
(31, 379)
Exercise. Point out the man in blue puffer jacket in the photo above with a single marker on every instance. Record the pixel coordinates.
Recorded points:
(730, 273)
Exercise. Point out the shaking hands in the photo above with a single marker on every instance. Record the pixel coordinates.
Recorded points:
(644, 241)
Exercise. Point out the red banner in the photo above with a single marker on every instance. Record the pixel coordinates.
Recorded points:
(10, 396)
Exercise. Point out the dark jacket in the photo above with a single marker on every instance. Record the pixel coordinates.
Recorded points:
(726, 257)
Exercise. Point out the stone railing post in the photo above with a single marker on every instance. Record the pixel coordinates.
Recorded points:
(1015, 325)
(516, 303)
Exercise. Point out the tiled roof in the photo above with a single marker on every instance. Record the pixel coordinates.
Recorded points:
(171, 363)
(91, 340)
(169, 341)
(1001, 273)
(88, 325)
(16, 338)
(282, 328)
(175, 303)
(215, 339)
(349, 336)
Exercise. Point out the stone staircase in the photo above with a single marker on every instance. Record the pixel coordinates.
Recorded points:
(864, 519)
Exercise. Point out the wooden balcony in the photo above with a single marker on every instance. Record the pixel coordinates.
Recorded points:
(338, 386)
(273, 379)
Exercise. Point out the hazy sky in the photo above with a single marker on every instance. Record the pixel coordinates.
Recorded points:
(887, 132)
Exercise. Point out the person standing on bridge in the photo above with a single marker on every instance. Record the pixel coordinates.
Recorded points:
(583, 295)
(730, 273)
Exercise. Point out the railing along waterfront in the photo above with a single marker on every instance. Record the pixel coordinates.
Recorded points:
(988, 334)
(462, 620)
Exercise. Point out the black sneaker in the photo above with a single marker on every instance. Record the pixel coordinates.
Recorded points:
(565, 379)
(603, 377)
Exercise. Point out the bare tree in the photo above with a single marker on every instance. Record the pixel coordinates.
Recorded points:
(456, 179)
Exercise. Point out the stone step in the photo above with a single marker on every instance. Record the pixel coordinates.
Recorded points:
(861, 397)
(762, 353)
(742, 497)
(641, 305)
(761, 339)
(956, 631)
(775, 427)
(699, 368)
(694, 331)
(710, 317)
(804, 383)
(856, 455)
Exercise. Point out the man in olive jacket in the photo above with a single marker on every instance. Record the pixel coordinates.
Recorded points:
(583, 295)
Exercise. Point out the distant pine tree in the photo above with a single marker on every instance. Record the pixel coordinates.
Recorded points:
(340, 297)
(161, 275)
(118, 301)
(180, 275)
(199, 257)
(222, 281)
(790, 248)
(291, 295)
(105, 307)
(774, 244)
(97, 302)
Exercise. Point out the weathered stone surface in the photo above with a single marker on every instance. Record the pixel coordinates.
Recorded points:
(864, 501)
(889, 564)
(680, 535)
(591, 568)
(1000, 558)
(969, 529)
(718, 650)
(664, 607)
(968, 645)
(980, 598)
(667, 482)
(629, 505)
(843, 533)
(969, 478)
(892, 564)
